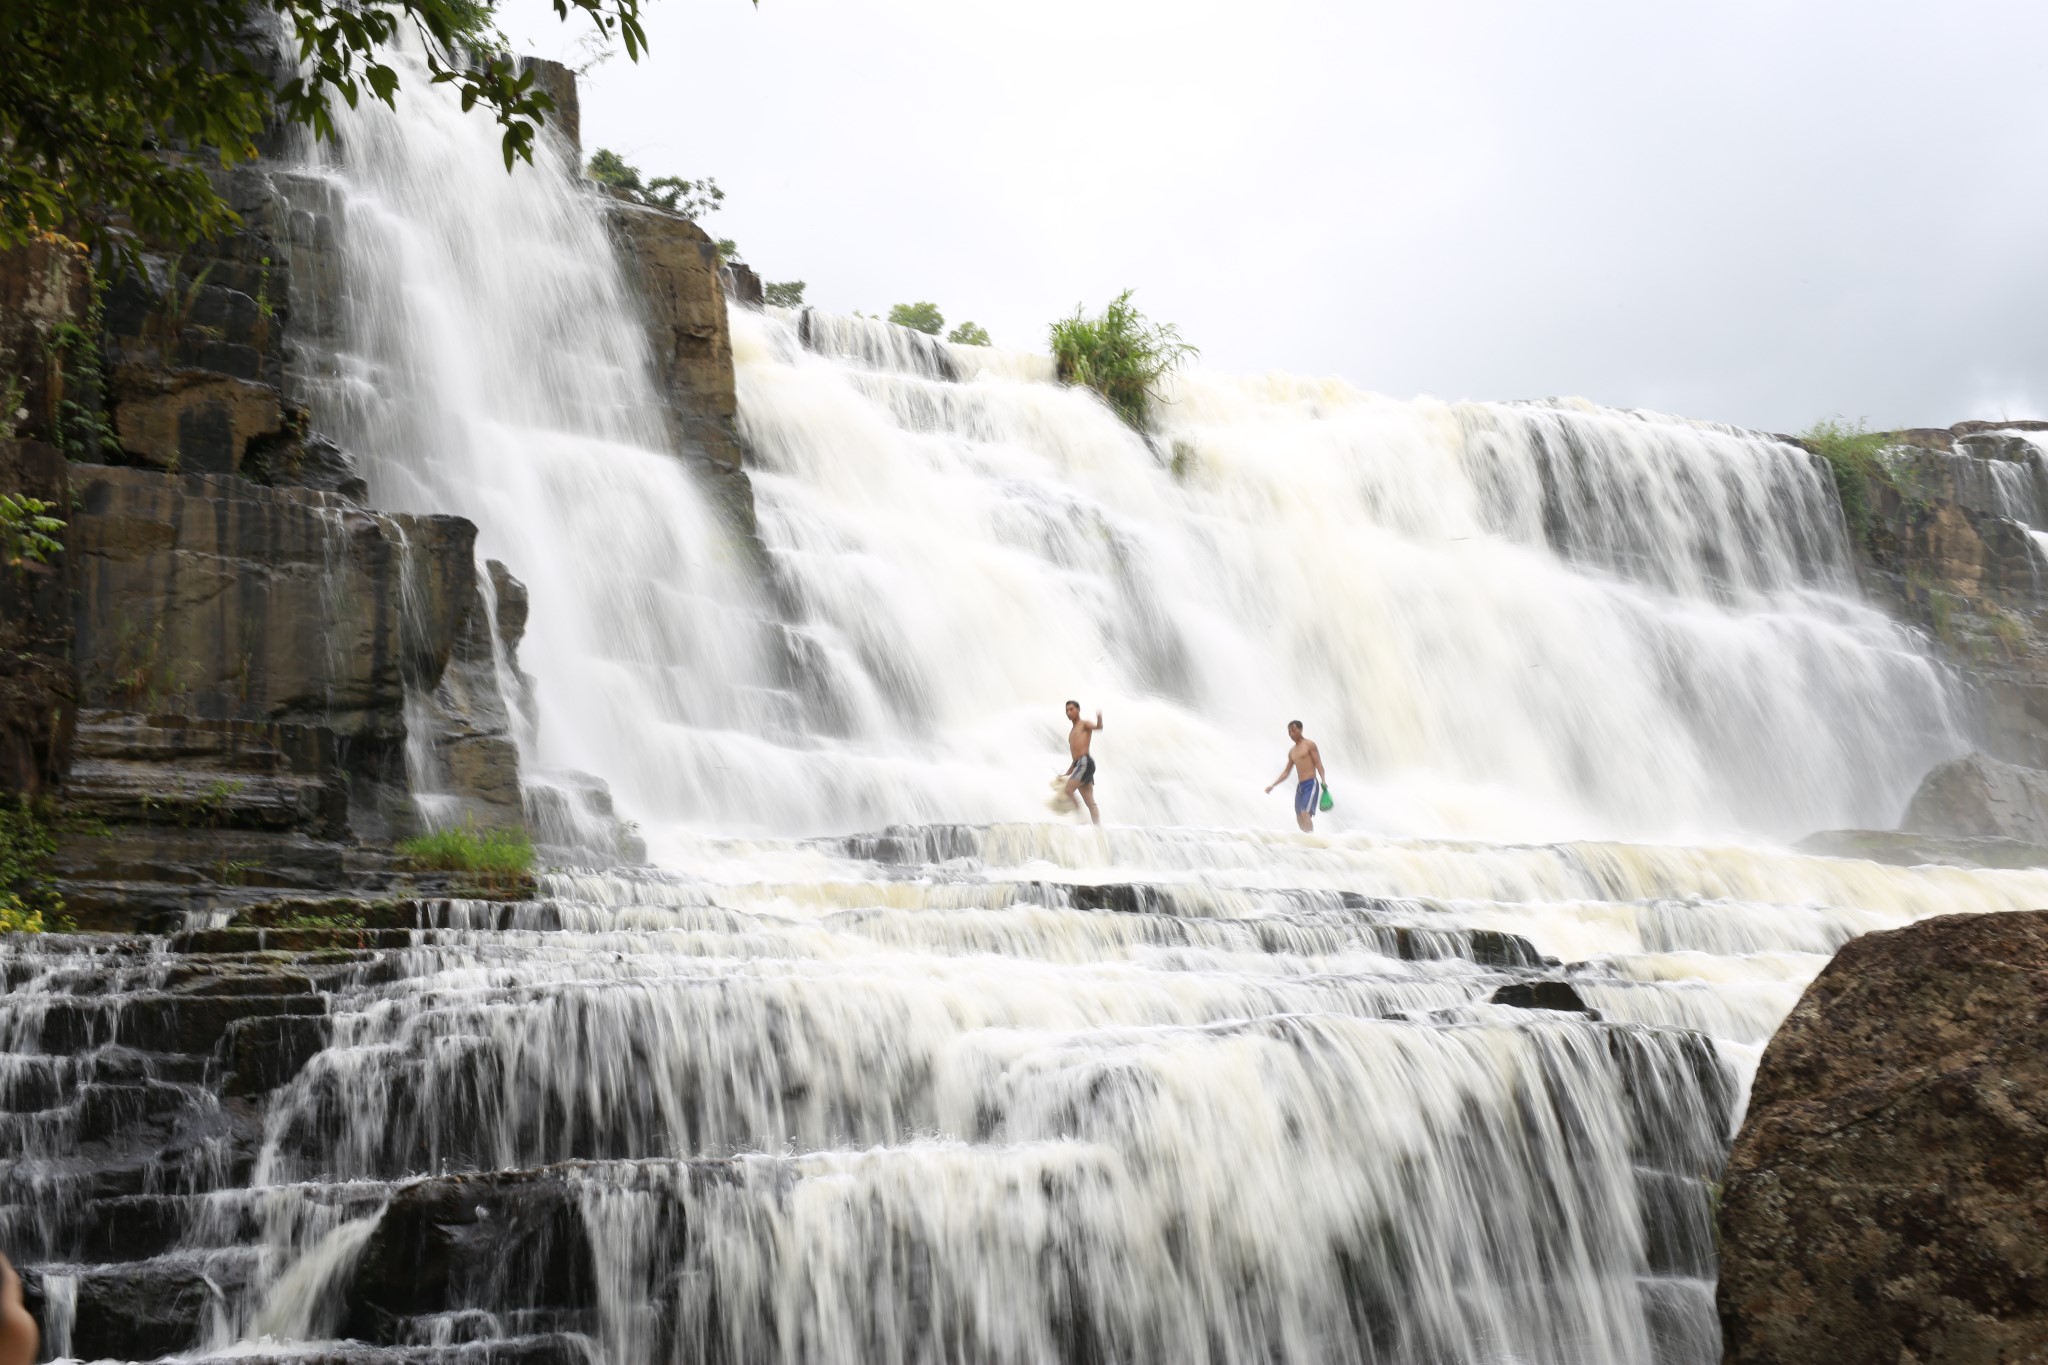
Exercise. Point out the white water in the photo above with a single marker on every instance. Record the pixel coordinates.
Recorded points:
(909, 1098)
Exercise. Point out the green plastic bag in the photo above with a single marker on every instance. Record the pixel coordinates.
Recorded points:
(1326, 801)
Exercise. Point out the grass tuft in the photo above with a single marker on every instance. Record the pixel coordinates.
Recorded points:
(495, 856)
(1121, 355)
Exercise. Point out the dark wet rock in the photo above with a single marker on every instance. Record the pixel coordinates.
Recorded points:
(472, 1241)
(1884, 1200)
(146, 1309)
(1902, 848)
(1977, 796)
(1542, 995)
(207, 774)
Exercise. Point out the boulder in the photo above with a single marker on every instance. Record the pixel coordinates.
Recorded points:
(1886, 1198)
(1977, 796)
(493, 1241)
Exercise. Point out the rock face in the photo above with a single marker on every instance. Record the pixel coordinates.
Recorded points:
(673, 267)
(270, 671)
(1885, 1201)
(1949, 548)
(1977, 795)
(218, 597)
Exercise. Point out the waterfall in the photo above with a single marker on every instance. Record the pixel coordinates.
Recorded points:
(1509, 620)
(878, 1063)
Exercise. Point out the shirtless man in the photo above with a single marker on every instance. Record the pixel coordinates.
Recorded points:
(1081, 776)
(1306, 761)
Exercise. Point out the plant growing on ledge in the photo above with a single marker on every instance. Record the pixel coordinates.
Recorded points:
(1853, 455)
(1121, 355)
(497, 858)
(28, 895)
(969, 334)
(27, 532)
(783, 294)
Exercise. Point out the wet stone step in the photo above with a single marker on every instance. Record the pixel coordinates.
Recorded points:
(190, 1024)
(143, 1310)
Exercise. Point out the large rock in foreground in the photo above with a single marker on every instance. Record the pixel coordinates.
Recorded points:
(1887, 1199)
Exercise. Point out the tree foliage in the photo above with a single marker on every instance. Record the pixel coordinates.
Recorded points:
(784, 293)
(1120, 354)
(918, 317)
(113, 111)
(691, 198)
(27, 531)
(969, 334)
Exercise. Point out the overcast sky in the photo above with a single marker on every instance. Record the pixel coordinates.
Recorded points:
(1761, 211)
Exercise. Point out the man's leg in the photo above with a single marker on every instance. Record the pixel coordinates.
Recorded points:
(1088, 795)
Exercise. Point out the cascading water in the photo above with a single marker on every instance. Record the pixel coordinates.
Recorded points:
(966, 1087)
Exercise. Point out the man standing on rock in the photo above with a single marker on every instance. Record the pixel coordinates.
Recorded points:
(1306, 761)
(1080, 777)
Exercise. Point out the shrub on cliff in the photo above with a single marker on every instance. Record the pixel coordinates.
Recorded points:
(784, 293)
(918, 317)
(1120, 354)
(1853, 455)
(691, 198)
(969, 334)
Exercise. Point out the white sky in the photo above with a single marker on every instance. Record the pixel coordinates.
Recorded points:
(1762, 211)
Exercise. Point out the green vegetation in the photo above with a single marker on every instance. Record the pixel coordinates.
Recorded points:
(784, 293)
(918, 317)
(93, 93)
(27, 531)
(691, 198)
(29, 902)
(969, 334)
(1120, 354)
(497, 857)
(1853, 454)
